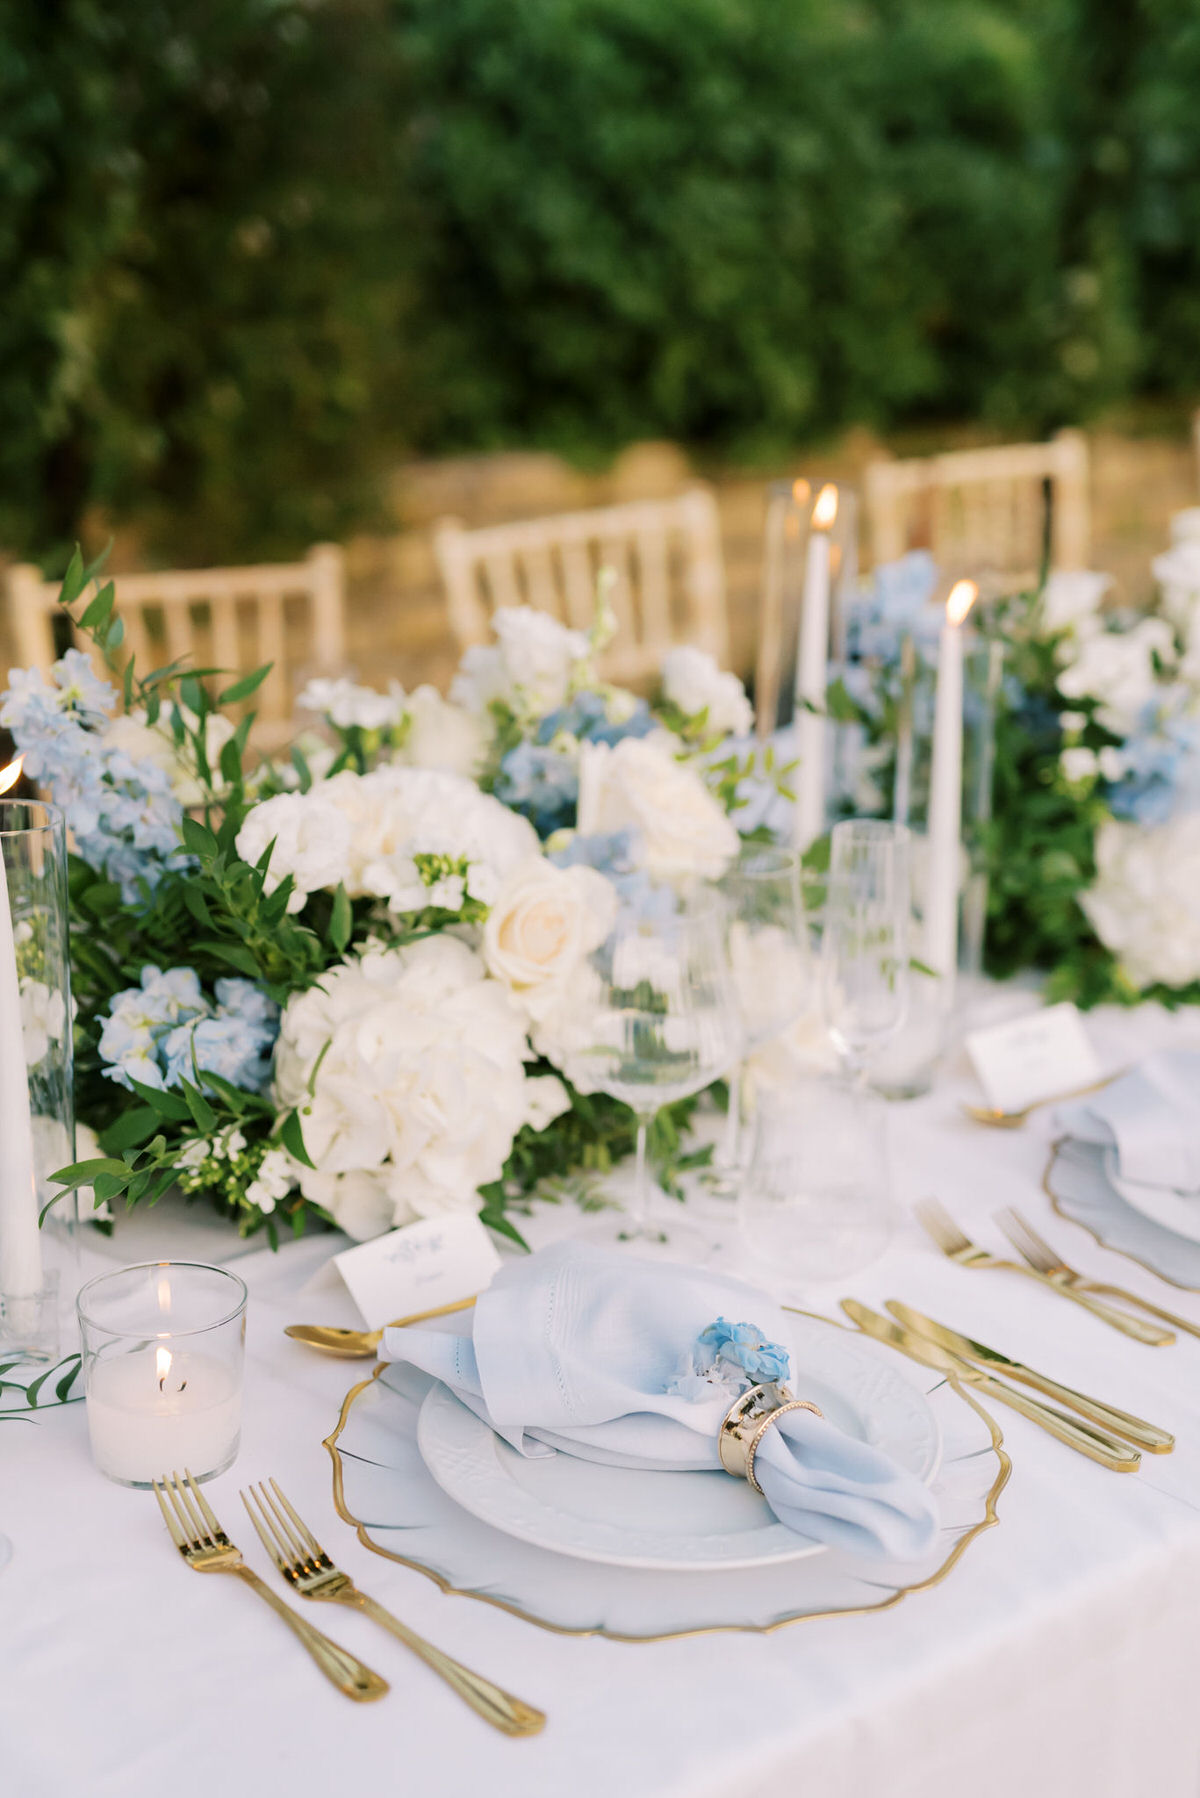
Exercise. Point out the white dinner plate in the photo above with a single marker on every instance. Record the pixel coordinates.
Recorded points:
(1166, 1205)
(672, 1522)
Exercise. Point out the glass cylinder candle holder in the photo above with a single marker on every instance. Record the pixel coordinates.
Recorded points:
(163, 1346)
(38, 1264)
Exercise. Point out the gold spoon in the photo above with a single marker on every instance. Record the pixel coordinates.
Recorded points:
(1012, 1120)
(358, 1345)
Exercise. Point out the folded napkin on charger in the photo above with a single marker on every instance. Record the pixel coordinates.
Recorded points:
(1150, 1116)
(594, 1353)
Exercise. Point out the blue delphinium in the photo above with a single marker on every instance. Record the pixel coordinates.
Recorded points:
(617, 854)
(895, 605)
(164, 1030)
(587, 717)
(122, 814)
(1159, 762)
(542, 783)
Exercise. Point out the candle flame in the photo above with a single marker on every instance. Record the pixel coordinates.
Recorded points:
(800, 490)
(825, 510)
(164, 1293)
(963, 595)
(162, 1365)
(11, 775)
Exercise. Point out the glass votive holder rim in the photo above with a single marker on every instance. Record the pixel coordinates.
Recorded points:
(96, 1324)
(48, 819)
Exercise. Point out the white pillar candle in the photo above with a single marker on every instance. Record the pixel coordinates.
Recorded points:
(159, 1411)
(811, 666)
(20, 1247)
(944, 837)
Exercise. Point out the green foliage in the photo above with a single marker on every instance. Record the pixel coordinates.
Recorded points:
(253, 248)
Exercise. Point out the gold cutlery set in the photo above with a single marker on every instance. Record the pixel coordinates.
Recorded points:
(1111, 1437)
(306, 1567)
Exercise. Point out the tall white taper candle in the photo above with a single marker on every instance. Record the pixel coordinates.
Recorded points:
(811, 665)
(945, 793)
(20, 1247)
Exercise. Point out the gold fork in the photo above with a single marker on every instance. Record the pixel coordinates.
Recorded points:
(1040, 1255)
(205, 1546)
(958, 1247)
(309, 1570)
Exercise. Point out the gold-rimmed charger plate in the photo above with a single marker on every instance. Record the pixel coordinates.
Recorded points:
(382, 1488)
(1078, 1187)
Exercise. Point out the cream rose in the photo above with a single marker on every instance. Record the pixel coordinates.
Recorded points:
(1145, 903)
(692, 680)
(544, 921)
(638, 784)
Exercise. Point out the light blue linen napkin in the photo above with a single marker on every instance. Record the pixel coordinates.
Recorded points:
(1150, 1117)
(591, 1352)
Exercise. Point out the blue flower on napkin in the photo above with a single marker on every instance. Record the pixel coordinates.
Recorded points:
(744, 1347)
(729, 1358)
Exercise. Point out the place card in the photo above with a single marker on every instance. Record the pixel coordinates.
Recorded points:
(418, 1267)
(1039, 1056)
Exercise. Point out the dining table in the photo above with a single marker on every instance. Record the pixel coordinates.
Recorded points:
(1058, 1658)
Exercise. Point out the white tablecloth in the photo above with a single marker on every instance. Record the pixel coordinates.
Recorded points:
(1060, 1658)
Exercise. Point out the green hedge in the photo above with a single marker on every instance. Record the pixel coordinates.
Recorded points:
(251, 248)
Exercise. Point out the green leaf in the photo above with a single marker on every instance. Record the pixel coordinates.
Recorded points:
(167, 1104)
(496, 1220)
(96, 615)
(110, 1186)
(74, 580)
(133, 1128)
(231, 762)
(236, 957)
(341, 919)
(197, 904)
(292, 1137)
(86, 1173)
(203, 1115)
(112, 636)
(198, 839)
(242, 689)
(74, 1366)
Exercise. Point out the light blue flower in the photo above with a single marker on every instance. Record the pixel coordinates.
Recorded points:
(743, 1345)
(542, 783)
(165, 1029)
(586, 718)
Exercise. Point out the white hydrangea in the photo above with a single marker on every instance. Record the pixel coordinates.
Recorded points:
(1145, 902)
(442, 735)
(1071, 600)
(349, 706)
(1117, 669)
(531, 666)
(637, 784)
(364, 830)
(692, 680)
(407, 1067)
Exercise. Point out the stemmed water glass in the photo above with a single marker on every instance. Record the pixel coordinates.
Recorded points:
(653, 1019)
(772, 965)
(864, 941)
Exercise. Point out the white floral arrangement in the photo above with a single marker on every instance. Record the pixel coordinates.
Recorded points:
(1094, 847)
(336, 986)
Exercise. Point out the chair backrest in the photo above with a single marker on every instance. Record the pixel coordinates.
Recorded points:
(289, 614)
(985, 508)
(670, 585)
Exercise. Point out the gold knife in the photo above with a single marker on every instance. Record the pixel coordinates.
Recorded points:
(1087, 1439)
(1122, 1423)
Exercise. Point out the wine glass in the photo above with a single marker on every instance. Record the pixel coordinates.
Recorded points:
(864, 943)
(772, 966)
(653, 1019)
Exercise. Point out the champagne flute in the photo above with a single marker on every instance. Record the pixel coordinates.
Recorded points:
(772, 966)
(653, 1020)
(864, 943)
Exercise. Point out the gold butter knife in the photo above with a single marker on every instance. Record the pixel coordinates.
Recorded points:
(1122, 1423)
(1087, 1439)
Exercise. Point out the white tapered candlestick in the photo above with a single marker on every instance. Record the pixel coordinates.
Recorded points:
(945, 794)
(811, 665)
(20, 1246)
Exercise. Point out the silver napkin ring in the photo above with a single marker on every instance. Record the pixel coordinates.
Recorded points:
(747, 1422)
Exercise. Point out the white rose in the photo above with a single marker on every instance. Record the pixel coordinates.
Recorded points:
(638, 784)
(546, 1099)
(1117, 668)
(442, 735)
(1071, 599)
(1145, 903)
(312, 838)
(692, 680)
(545, 920)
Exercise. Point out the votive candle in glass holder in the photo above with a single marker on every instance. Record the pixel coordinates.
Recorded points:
(163, 1346)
